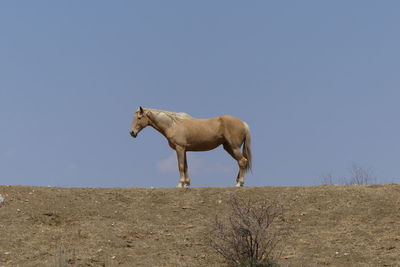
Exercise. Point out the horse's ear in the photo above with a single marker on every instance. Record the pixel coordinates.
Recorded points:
(141, 110)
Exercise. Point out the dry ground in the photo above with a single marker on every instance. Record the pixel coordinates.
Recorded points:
(331, 225)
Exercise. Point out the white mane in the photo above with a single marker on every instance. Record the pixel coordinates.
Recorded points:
(174, 116)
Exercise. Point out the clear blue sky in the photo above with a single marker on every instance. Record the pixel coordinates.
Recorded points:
(317, 81)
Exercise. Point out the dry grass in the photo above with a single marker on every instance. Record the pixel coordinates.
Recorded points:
(332, 225)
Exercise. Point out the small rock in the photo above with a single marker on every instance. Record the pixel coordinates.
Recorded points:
(1, 200)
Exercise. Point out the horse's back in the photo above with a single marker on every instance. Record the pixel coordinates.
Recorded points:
(206, 134)
(197, 134)
(232, 123)
(219, 124)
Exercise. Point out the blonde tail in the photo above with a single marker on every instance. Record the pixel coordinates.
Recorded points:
(246, 148)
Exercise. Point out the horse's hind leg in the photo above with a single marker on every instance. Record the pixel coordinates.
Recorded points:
(242, 162)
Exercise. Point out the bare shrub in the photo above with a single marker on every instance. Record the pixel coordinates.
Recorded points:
(2, 200)
(248, 237)
(64, 258)
(360, 175)
(327, 178)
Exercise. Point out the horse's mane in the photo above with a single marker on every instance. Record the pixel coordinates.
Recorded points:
(175, 116)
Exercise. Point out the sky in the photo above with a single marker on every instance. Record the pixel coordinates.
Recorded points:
(317, 81)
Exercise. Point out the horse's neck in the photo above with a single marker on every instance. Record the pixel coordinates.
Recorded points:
(161, 122)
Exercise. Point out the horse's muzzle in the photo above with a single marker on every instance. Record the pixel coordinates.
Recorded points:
(133, 134)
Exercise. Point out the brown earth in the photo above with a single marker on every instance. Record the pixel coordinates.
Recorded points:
(331, 225)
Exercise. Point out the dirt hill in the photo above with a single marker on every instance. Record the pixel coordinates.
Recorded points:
(332, 225)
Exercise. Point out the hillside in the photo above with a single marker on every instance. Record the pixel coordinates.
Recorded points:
(332, 225)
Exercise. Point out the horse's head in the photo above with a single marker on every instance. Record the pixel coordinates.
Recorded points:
(140, 121)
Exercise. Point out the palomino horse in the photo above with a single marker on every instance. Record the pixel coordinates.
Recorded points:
(185, 133)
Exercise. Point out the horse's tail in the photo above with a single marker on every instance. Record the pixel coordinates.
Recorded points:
(246, 147)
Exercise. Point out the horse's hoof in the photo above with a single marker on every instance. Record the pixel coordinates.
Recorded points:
(179, 185)
(239, 185)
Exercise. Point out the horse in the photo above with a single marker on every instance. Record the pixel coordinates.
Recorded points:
(185, 133)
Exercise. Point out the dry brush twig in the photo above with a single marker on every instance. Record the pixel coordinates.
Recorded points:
(247, 237)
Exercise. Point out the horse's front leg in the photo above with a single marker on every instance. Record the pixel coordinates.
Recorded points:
(187, 178)
(181, 153)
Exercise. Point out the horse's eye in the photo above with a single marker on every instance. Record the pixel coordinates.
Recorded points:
(139, 118)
